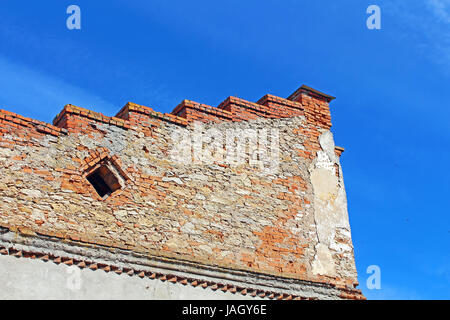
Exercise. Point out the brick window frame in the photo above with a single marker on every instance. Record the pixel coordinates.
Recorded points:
(104, 174)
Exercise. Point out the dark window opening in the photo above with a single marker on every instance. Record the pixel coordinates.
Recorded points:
(104, 181)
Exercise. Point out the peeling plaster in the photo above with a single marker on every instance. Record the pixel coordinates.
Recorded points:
(330, 208)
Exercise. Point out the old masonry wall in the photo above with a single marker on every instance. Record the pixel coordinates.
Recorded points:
(190, 228)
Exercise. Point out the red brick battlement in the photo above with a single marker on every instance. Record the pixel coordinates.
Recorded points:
(305, 101)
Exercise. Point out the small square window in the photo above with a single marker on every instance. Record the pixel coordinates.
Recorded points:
(104, 181)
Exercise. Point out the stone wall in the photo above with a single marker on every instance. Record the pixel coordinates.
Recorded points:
(286, 223)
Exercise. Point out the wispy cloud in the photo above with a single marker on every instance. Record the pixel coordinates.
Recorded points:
(35, 94)
(439, 32)
(128, 80)
(427, 24)
(441, 9)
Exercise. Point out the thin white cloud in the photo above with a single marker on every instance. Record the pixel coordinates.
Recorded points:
(141, 86)
(441, 9)
(35, 94)
(427, 24)
(438, 32)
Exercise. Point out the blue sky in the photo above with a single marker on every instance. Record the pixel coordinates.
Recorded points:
(391, 112)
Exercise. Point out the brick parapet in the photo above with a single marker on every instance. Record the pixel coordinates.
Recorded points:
(194, 111)
(17, 121)
(73, 118)
(139, 115)
(315, 104)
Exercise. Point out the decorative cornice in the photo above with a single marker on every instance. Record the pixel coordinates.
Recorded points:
(173, 271)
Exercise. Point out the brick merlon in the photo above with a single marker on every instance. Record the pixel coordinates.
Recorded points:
(231, 109)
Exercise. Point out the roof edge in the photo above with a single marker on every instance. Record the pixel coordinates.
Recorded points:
(307, 89)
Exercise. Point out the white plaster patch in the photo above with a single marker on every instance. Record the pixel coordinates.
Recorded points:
(330, 207)
(323, 263)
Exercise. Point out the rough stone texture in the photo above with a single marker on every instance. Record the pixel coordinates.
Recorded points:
(290, 224)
